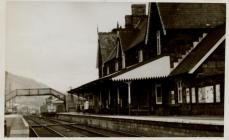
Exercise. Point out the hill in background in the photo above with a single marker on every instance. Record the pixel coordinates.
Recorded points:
(13, 82)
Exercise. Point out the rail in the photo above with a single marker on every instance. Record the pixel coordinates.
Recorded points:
(43, 131)
(83, 130)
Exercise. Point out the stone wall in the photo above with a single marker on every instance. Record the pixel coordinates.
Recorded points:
(147, 128)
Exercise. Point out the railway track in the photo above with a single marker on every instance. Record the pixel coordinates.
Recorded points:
(59, 128)
(40, 130)
(106, 133)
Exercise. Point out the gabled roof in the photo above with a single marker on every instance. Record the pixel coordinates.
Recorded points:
(131, 37)
(107, 45)
(192, 15)
(128, 39)
(199, 54)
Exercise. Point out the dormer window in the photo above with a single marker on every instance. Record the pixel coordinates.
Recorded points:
(116, 66)
(108, 70)
(123, 61)
(140, 56)
(158, 43)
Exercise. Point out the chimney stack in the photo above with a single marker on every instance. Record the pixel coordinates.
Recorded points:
(138, 11)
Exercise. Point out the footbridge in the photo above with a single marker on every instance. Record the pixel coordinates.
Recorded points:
(34, 92)
(9, 98)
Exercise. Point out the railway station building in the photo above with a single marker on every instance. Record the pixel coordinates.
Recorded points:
(170, 61)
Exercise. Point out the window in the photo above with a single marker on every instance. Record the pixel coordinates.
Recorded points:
(187, 95)
(206, 94)
(193, 95)
(158, 43)
(172, 101)
(108, 70)
(116, 66)
(140, 56)
(217, 90)
(123, 61)
(179, 91)
(158, 91)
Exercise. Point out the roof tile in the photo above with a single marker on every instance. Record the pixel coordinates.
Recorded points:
(107, 44)
(192, 15)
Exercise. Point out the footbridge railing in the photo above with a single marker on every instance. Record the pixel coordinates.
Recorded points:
(35, 92)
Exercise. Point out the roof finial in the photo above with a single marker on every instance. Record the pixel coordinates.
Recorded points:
(117, 25)
(97, 28)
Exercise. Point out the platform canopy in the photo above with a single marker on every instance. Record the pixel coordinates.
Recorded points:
(93, 85)
(150, 69)
(155, 69)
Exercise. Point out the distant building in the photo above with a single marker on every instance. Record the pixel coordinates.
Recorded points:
(24, 110)
(171, 61)
(43, 108)
(52, 105)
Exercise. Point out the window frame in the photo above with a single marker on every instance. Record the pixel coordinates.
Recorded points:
(158, 34)
(158, 99)
(140, 55)
(123, 61)
(108, 69)
(172, 97)
(187, 93)
(179, 92)
(116, 66)
(193, 94)
(217, 91)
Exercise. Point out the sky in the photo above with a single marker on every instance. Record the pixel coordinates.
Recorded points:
(56, 42)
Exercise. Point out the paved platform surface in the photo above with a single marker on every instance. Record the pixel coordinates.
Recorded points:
(16, 126)
(208, 120)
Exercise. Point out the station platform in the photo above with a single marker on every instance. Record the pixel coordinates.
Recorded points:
(16, 126)
(151, 126)
(208, 120)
